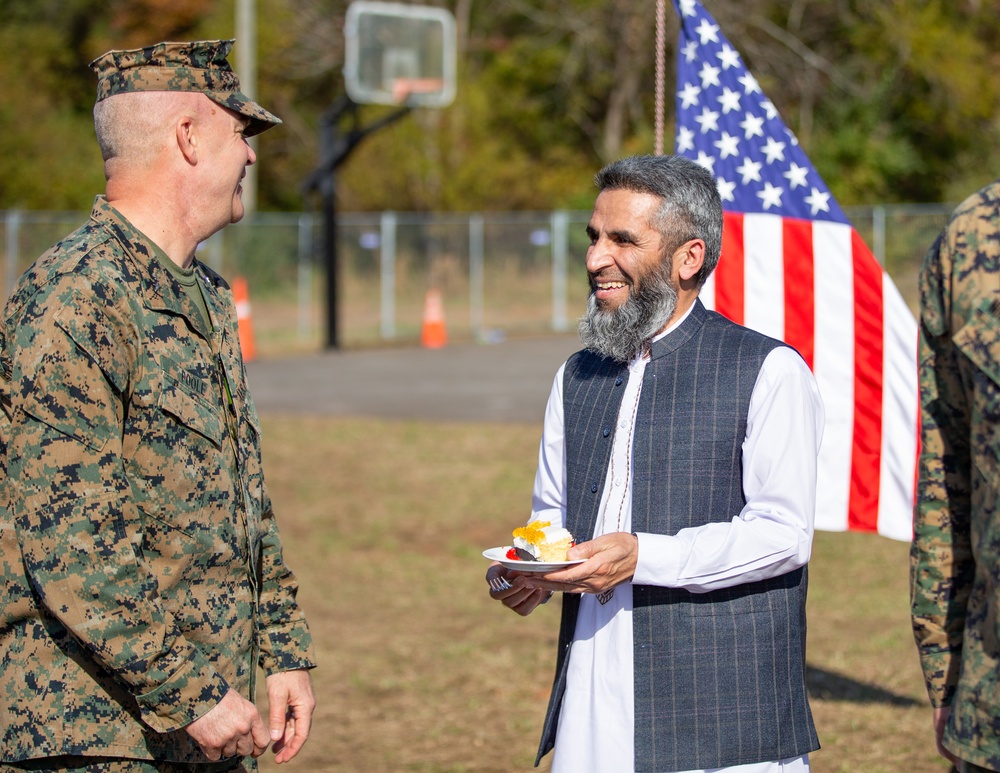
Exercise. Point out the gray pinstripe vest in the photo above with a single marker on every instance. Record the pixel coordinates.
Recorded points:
(719, 676)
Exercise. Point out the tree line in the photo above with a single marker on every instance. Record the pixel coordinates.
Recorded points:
(893, 100)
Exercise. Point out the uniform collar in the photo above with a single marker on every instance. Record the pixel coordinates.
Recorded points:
(160, 291)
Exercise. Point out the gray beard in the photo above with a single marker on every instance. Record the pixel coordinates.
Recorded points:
(621, 333)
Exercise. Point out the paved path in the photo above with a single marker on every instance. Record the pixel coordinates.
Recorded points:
(502, 382)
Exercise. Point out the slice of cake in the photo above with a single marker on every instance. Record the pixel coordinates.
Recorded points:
(547, 543)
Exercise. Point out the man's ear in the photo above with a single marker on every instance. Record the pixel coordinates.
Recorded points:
(187, 140)
(689, 259)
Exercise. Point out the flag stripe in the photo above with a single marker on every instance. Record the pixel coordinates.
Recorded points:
(900, 417)
(729, 273)
(800, 297)
(764, 302)
(834, 369)
(868, 381)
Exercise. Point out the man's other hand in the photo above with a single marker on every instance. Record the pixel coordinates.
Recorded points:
(506, 588)
(291, 703)
(940, 721)
(233, 728)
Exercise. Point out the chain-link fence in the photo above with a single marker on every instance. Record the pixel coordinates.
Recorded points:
(499, 273)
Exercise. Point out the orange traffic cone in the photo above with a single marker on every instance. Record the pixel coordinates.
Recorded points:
(433, 334)
(241, 294)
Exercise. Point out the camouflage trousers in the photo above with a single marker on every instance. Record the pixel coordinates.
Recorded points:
(74, 764)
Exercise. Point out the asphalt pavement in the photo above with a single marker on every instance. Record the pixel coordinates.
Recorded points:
(502, 382)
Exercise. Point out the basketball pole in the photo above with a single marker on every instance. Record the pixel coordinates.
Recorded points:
(336, 144)
(394, 54)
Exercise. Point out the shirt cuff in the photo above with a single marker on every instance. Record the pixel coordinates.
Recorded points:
(658, 561)
(287, 647)
(191, 691)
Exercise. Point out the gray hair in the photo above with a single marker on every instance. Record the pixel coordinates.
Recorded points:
(690, 206)
(131, 126)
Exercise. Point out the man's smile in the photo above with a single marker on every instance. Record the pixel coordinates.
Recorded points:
(610, 290)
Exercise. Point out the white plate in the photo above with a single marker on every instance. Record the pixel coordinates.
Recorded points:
(500, 554)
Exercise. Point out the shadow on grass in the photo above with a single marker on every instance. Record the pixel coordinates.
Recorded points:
(828, 685)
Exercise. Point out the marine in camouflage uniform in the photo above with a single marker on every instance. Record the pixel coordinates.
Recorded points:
(955, 556)
(141, 570)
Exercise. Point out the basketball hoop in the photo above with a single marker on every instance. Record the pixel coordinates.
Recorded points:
(398, 54)
(403, 88)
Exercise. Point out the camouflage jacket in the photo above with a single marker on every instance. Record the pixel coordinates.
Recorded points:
(955, 556)
(141, 573)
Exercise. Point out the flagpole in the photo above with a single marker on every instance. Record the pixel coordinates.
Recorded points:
(661, 34)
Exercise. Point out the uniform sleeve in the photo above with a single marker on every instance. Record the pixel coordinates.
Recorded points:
(941, 565)
(72, 352)
(285, 641)
(282, 634)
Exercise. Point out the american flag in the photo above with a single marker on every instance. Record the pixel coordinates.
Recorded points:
(794, 268)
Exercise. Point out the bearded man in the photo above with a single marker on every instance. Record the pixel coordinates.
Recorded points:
(681, 451)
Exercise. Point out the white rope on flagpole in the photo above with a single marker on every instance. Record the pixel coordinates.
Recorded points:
(661, 23)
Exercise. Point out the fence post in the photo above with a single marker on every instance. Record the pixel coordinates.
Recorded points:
(476, 259)
(560, 250)
(387, 268)
(878, 234)
(13, 224)
(305, 274)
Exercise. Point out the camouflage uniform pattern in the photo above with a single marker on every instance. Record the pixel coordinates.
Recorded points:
(141, 573)
(955, 555)
(198, 66)
(82, 764)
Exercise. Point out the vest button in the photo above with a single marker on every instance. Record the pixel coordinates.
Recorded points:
(606, 431)
(618, 381)
(593, 489)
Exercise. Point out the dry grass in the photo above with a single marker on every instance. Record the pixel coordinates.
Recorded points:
(419, 670)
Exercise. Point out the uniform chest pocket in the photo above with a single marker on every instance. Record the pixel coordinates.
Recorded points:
(979, 341)
(184, 396)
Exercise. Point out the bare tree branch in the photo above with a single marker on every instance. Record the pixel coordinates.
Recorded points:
(806, 54)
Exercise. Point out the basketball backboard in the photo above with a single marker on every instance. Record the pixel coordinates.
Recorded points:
(399, 54)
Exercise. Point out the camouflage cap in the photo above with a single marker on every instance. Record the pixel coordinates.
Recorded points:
(197, 66)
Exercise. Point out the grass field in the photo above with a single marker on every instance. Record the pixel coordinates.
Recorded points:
(384, 523)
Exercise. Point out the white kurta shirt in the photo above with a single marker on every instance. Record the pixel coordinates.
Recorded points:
(771, 536)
